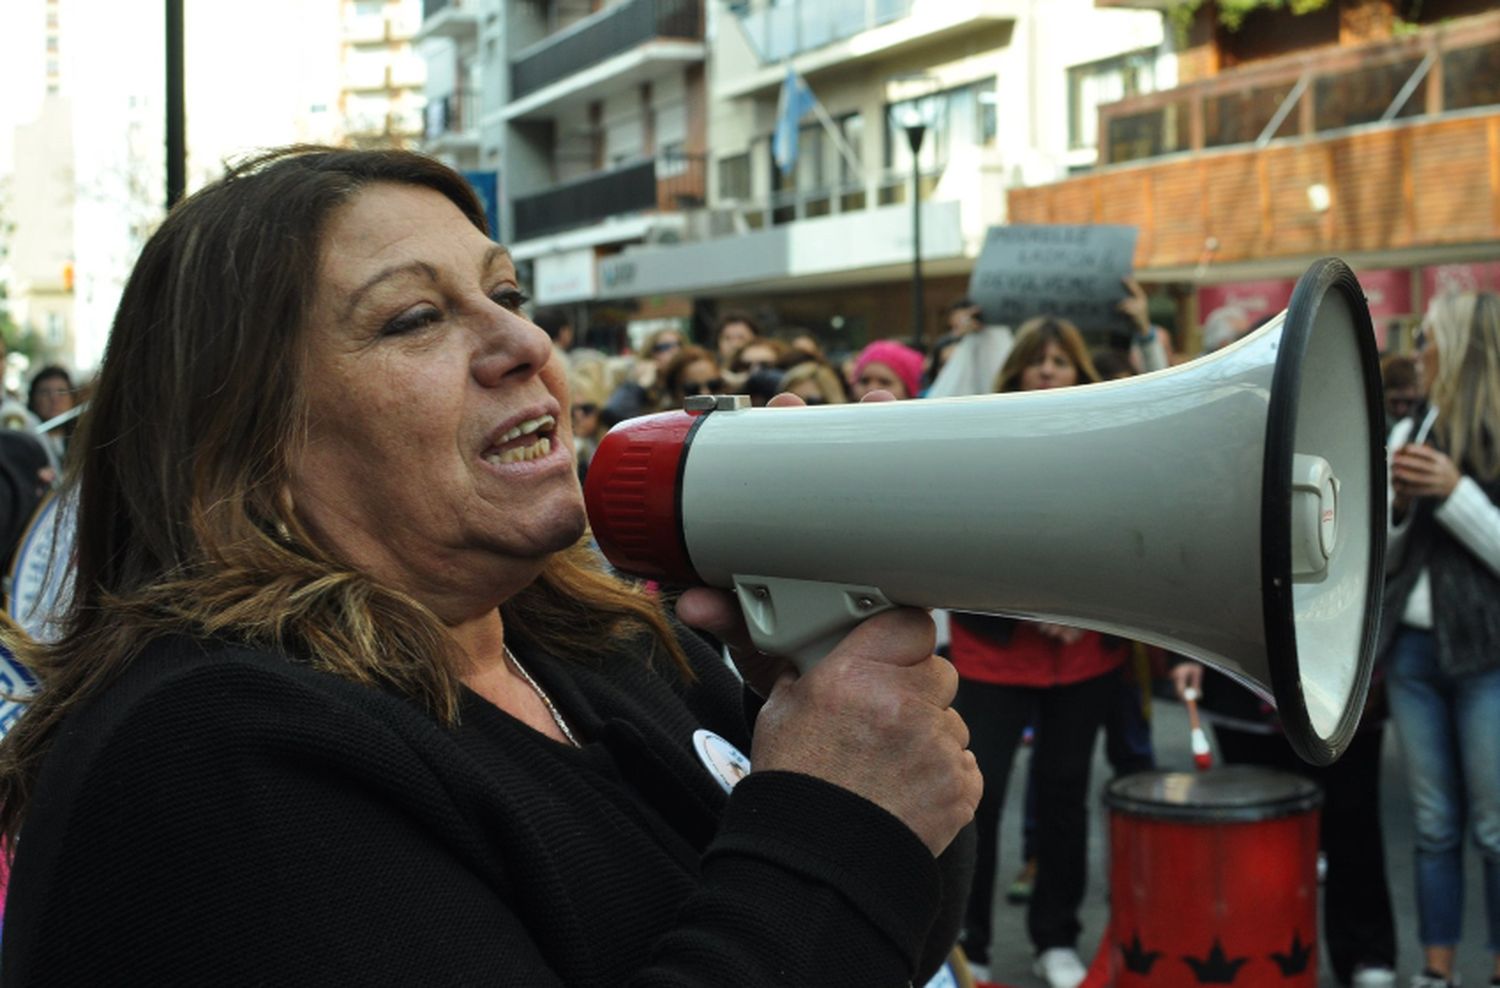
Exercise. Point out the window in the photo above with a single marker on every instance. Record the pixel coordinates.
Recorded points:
(809, 166)
(1092, 85)
(851, 173)
(1240, 117)
(962, 117)
(1150, 133)
(1362, 95)
(734, 177)
(1471, 77)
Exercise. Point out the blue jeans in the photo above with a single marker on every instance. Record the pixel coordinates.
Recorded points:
(1450, 730)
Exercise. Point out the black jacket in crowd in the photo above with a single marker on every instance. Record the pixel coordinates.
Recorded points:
(228, 816)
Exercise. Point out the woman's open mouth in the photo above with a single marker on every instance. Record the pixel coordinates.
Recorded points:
(531, 440)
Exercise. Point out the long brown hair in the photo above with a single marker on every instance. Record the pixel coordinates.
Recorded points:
(1031, 342)
(183, 459)
(1466, 388)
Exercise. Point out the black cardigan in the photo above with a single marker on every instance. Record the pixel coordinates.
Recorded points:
(228, 816)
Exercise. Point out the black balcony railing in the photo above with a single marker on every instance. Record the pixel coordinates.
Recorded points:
(670, 182)
(617, 29)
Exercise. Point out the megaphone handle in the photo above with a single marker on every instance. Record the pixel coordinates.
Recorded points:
(803, 620)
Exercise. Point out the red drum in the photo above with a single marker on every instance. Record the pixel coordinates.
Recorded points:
(1213, 879)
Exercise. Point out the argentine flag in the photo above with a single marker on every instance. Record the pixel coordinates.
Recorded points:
(796, 100)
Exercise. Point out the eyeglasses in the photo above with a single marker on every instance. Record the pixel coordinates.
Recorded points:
(709, 387)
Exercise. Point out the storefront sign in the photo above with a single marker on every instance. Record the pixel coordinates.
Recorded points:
(566, 276)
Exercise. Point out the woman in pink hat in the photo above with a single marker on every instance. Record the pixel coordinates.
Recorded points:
(886, 365)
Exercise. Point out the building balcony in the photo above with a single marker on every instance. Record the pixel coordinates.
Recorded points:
(667, 183)
(1450, 68)
(814, 35)
(455, 19)
(616, 46)
(1377, 151)
(782, 32)
(366, 30)
(1415, 191)
(451, 123)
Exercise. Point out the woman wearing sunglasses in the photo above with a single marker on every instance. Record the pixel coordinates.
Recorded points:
(693, 371)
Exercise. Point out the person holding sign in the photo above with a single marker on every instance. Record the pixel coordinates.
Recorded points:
(343, 695)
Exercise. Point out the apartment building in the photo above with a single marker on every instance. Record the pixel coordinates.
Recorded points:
(827, 241)
(36, 208)
(382, 75)
(586, 117)
(633, 141)
(1367, 129)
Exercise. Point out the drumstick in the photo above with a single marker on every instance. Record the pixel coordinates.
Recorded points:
(1203, 758)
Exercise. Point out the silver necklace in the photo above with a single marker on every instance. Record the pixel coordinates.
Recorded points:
(541, 694)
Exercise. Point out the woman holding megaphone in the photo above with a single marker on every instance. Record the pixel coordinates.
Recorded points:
(1441, 626)
(1058, 678)
(344, 696)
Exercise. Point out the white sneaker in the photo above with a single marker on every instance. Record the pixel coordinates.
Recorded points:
(1425, 980)
(1060, 967)
(1373, 977)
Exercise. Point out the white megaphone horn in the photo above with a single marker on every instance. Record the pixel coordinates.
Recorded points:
(1231, 509)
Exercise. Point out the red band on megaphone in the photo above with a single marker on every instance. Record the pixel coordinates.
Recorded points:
(632, 494)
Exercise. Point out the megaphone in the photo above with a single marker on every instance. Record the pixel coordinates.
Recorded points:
(1231, 509)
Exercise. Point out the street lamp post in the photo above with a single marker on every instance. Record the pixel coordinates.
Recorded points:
(176, 111)
(916, 132)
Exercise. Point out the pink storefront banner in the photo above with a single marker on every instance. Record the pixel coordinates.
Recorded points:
(1257, 299)
(1481, 276)
(1387, 292)
(1389, 296)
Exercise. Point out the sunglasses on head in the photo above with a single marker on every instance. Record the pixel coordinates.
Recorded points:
(711, 386)
(664, 346)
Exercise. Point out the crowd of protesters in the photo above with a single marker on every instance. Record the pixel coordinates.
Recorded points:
(1057, 689)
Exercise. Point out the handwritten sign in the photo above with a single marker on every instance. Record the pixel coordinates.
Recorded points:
(1071, 272)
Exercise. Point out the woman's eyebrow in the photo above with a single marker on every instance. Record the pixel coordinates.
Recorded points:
(410, 267)
(494, 255)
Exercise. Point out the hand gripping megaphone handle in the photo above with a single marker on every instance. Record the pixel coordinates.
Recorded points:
(802, 620)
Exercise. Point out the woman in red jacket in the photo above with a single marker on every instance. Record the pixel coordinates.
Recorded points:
(1061, 679)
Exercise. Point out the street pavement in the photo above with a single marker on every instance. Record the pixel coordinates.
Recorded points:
(1011, 951)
